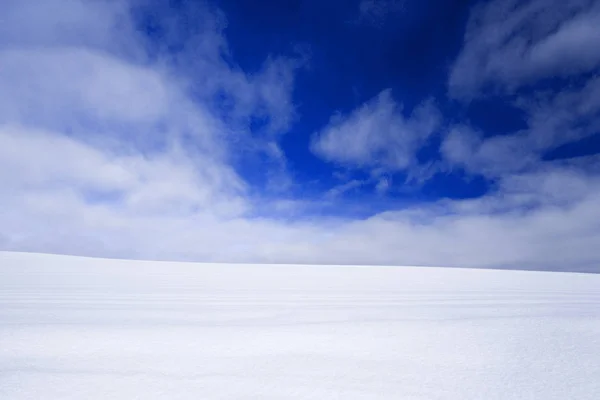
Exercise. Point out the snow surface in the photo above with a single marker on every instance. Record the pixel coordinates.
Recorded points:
(77, 328)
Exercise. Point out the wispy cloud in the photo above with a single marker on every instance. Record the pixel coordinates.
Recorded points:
(344, 188)
(508, 46)
(377, 135)
(513, 43)
(554, 118)
(97, 125)
(111, 145)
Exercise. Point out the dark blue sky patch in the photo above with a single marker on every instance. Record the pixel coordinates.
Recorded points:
(584, 147)
(348, 60)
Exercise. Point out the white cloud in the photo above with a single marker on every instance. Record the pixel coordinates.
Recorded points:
(345, 187)
(376, 135)
(553, 120)
(492, 157)
(163, 209)
(564, 116)
(100, 25)
(382, 186)
(513, 43)
(106, 151)
(38, 161)
(80, 83)
(196, 46)
(94, 135)
(509, 45)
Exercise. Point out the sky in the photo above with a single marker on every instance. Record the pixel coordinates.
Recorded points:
(378, 132)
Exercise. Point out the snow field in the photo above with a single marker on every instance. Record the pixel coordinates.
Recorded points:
(80, 328)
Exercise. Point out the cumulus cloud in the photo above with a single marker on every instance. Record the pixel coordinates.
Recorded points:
(513, 43)
(376, 135)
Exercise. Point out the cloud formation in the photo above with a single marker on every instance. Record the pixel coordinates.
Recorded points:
(114, 145)
(377, 135)
(97, 126)
(511, 43)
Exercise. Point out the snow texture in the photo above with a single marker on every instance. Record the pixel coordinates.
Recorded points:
(78, 328)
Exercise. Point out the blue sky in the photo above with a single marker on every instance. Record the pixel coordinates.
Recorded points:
(458, 133)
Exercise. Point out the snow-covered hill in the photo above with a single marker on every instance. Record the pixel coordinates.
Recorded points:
(78, 328)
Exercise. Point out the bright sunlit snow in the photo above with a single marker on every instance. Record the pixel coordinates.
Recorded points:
(77, 328)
